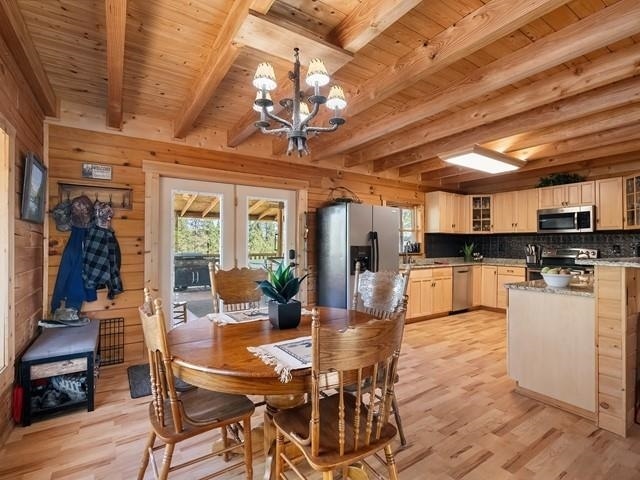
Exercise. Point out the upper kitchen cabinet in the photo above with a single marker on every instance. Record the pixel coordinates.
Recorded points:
(632, 201)
(609, 204)
(582, 193)
(515, 211)
(480, 208)
(446, 212)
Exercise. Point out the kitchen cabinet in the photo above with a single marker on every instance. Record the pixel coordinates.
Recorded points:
(489, 286)
(515, 211)
(507, 275)
(430, 292)
(446, 212)
(631, 201)
(480, 211)
(476, 276)
(609, 204)
(558, 196)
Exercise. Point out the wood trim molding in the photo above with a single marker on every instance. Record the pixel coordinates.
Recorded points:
(116, 21)
(209, 174)
(15, 32)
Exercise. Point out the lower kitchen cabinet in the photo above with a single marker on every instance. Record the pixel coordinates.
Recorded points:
(429, 291)
(476, 276)
(507, 275)
(489, 286)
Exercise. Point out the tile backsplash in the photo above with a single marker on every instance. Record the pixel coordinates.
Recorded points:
(609, 243)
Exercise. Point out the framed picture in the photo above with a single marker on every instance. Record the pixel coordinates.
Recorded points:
(34, 189)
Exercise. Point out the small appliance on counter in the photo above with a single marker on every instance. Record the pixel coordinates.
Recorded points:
(563, 258)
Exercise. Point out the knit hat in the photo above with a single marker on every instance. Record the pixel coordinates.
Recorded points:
(62, 216)
(81, 212)
(104, 213)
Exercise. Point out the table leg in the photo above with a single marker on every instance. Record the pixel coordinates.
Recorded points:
(275, 403)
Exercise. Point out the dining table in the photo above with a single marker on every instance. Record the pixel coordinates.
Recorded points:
(216, 356)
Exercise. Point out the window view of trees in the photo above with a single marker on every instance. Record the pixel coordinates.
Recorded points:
(197, 235)
(263, 237)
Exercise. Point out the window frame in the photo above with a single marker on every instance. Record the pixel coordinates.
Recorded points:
(416, 229)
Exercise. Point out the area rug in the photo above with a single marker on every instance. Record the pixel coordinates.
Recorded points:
(140, 385)
(200, 308)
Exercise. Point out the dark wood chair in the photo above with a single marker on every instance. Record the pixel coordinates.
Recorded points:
(176, 417)
(336, 431)
(235, 289)
(382, 294)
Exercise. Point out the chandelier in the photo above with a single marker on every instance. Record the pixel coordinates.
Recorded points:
(297, 129)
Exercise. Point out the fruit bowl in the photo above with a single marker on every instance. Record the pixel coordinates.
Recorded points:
(558, 280)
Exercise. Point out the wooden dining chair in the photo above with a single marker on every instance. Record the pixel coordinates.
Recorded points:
(235, 289)
(382, 294)
(336, 431)
(176, 417)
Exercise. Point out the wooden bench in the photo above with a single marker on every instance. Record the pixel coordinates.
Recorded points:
(59, 352)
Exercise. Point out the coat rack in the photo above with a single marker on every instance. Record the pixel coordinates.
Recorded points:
(117, 197)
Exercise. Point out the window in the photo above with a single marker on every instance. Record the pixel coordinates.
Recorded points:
(410, 228)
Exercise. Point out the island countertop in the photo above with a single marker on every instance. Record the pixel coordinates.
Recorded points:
(581, 289)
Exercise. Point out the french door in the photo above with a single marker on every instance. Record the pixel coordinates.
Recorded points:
(232, 225)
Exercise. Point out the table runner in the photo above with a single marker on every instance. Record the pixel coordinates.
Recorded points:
(285, 356)
(237, 317)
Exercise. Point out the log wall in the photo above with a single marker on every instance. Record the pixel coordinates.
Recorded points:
(19, 109)
(70, 147)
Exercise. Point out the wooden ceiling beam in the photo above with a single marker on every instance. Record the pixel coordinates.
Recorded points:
(367, 21)
(598, 30)
(256, 206)
(590, 124)
(262, 6)
(116, 21)
(602, 71)
(223, 53)
(16, 35)
(188, 203)
(621, 93)
(606, 137)
(211, 206)
(261, 32)
(554, 161)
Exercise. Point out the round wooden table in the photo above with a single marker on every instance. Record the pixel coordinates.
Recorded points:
(215, 357)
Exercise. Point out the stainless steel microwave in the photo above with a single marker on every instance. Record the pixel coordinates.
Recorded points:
(567, 220)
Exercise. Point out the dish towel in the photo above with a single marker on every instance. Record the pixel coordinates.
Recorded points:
(285, 356)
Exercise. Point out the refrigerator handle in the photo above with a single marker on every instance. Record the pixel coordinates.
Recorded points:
(375, 257)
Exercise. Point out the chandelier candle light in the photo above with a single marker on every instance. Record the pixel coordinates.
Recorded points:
(298, 129)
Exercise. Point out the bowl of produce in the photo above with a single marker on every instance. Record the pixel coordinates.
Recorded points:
(556, 277)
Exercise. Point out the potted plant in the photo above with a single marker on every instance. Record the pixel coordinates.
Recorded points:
(281, 286)
(467, 251)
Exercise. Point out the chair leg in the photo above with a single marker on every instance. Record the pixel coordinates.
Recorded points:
(328, 475)
(248, 450)
(166, 461)
(145, 456)
(225, 442)
(396, 414)
(391, 463)
(279, 451)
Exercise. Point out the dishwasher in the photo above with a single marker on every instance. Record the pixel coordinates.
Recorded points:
(462, 288)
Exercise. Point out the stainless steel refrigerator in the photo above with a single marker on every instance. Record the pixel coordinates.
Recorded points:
(348, 233)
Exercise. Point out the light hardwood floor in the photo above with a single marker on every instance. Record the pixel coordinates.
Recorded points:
(461, 418)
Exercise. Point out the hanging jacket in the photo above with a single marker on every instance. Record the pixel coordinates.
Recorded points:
(102, 261)
(70, 285)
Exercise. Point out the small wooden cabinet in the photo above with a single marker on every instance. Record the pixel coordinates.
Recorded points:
(507, 275)
(582, 193)
(489, 286)
(480, 211)
(515, 211)
(430, 291)
(631, 201)
(446, 212)
(609, 215)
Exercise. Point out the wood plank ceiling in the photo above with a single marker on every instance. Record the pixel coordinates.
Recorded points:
(553, 82)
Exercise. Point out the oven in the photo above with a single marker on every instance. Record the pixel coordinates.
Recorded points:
(533, 273)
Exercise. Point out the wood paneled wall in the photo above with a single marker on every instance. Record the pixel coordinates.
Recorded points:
(70, 147)
(20, 109)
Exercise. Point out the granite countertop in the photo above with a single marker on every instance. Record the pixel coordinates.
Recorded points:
(633, 262)
(578, 288)
(459, 261)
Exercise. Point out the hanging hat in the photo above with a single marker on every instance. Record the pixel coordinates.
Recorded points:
(81, 212)
(62, 216)
(104, 214)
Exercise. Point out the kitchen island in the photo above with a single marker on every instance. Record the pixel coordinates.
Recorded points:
(551, 351)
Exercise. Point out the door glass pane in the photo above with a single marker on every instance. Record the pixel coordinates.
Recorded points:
(266, 233)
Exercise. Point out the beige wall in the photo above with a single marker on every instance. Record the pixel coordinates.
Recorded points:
(19, 108)
(70, 147)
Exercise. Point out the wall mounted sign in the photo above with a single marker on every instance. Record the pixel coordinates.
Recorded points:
(92, 170)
